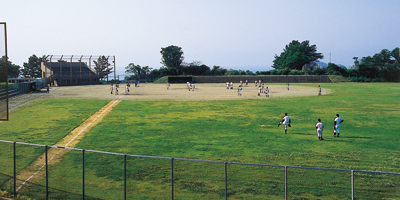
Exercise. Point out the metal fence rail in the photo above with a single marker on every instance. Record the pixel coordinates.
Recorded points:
(172, 161)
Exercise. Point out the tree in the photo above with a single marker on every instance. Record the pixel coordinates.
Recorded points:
(134, 69)
(12, 69)
(172, 58)
(102, 67)
(296, 55)
(33, 69)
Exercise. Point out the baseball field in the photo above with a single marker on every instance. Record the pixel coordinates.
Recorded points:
(209, 123)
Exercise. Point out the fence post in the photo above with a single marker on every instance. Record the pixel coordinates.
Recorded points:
(285, 182)
(226, 182)
(47, 174)
(172, 178)
(15, 172)
(352, 184)
(83, 174)
(125, 176)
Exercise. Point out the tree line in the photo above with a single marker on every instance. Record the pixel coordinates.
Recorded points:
(383, 66)
(32, 68)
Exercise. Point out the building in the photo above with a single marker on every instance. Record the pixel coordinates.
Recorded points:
(69, 73)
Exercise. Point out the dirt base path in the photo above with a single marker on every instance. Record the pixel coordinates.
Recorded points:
(35, 171)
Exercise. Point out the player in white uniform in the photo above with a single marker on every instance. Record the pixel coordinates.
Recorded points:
(126, 90)
(259, 90)
(247, 82)
(336, 125)
(319, 90)
(286, 122)
(320, 127)
(255, 82)
(231, 85)
(240, 91)
(263, 87)
(288, 85)
(227, 85)
(167, 86)
(193, 87)
(112, 88)
(267, 92)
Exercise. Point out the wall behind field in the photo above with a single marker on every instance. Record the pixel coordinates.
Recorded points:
(264, 79)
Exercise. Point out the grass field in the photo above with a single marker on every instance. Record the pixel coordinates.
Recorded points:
(234, 131)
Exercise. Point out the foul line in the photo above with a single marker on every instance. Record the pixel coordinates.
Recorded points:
(67, 144)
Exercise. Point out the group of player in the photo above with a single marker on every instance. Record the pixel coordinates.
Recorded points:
(319, 126)
(190, 86)
(115, 89)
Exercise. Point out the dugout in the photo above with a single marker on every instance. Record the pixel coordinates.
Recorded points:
(180, 79)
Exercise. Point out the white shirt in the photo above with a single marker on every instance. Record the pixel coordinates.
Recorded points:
(338, 120)
(320, 126)
(286, 120)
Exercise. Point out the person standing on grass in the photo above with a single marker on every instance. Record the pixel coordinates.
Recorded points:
(286, 121)
(319, 90)
(227, 84)
(320, 127)
(267, 92)
(336, 125)
(127, 90)
(48, 89)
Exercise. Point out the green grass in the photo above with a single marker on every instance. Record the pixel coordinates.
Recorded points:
(230, 131)
(41, 122)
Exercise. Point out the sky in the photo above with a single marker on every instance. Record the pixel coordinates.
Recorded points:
(233, 34)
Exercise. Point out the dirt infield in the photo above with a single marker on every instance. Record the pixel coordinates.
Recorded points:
(179, 92)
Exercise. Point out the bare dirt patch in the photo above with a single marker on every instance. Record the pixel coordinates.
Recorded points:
(179, 92)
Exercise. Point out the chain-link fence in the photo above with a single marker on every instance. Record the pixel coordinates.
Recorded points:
(52, 172)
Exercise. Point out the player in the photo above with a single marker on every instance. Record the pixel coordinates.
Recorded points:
(286, 121)
(247, 82)
(336, 125)
(241, 82)
(193, 87)
(319, 90)
(240, 90)
(231, 85)
(255, 82)
(320, 127)
(259, 82)
(227, 84)
(126, 89)
(167, 86)
(259, 90)
(188, 85)
(267, 92)
(263, 88)
(288, 86)
(116, 90)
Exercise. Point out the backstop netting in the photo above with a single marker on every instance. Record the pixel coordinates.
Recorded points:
(3, 73)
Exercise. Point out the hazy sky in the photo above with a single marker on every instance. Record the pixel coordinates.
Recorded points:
(233, 34)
